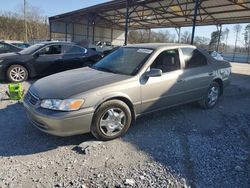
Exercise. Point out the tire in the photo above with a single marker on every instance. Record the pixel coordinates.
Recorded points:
(211, 98)
(17, 73)
(111, 120)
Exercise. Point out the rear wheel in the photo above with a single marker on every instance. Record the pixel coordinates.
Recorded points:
(17, 73)
(111, 120)
(212, 96)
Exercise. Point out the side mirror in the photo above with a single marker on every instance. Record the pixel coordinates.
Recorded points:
(153, 73)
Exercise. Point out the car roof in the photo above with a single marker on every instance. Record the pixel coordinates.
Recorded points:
(55, 42)
(12, 41)
(160, 45)
(2, 42)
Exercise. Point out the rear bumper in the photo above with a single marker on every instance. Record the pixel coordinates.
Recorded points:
(61, 124)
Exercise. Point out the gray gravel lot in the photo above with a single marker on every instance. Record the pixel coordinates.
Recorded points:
(183, 146)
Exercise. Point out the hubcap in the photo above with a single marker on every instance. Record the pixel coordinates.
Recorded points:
(17, 74)
(112, 121)
(213, 95)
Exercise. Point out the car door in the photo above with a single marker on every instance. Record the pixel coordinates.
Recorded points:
(166, 90)
(48, 59)
(197, 73)
(73, 57)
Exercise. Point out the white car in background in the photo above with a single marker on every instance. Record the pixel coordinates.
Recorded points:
(216, 55)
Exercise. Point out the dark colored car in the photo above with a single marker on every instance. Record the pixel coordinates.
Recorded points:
(21, 45)
(44, 59)
(6, 48)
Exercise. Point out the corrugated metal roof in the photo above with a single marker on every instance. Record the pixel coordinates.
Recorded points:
(145, 14)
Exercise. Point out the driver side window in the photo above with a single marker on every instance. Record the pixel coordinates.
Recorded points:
(167, 61)
(51, 50)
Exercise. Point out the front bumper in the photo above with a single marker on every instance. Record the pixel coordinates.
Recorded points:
(60, 123)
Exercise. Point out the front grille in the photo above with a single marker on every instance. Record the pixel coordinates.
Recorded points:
(31, 98)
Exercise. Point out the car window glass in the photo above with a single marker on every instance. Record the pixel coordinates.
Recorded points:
(4, 47)
(214, 54)
(50, 50)
(167, 61)
(193, 58)
(69, 49)
(125, 60)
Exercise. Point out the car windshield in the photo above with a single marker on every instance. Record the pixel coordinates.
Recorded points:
(31, 49)
(125, 60)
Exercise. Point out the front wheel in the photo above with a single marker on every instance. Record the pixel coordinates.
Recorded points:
(17, 73)
(210, 99)
(111, 120)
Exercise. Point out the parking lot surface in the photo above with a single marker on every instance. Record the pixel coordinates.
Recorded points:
(183, 146)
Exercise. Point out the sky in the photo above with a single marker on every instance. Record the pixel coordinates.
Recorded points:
(54, 7)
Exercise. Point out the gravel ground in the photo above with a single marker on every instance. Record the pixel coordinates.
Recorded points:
(178, 147)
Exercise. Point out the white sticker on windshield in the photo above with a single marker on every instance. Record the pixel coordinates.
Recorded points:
(147, 51)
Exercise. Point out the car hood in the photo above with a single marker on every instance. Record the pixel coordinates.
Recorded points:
(13, 57)
(73, 82)
(8, 55)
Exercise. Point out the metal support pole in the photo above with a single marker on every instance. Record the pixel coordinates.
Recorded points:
(93, 33)
(149, 35)
(73, 32)
(93, 28)
(66, 31)
(112, 34)
(126, 24)
(248, 50)
(25, 21)
(218, 43)
(50, 28)
(194, 20)
(88, 29)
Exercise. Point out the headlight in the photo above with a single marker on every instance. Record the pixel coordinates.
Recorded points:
(62, 105)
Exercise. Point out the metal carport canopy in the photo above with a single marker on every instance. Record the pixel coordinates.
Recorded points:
(147, 14)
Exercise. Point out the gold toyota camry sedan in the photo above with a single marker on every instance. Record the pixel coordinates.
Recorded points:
(106, 98)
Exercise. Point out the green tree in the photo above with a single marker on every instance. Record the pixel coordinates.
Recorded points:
(12, 27)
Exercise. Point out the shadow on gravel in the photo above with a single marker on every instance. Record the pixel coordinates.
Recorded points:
(164, 136)
(202, 146)
(19, 137)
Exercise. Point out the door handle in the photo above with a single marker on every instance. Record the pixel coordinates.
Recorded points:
(211, 74)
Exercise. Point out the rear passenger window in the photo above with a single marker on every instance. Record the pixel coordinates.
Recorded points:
(69, 49)
(167, 61)
(193, 58)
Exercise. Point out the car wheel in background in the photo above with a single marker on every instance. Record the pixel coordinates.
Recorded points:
(17, 73)
(111, 120)
(211, 98)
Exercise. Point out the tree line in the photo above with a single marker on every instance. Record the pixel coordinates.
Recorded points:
(12, 25)
(218, 41)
